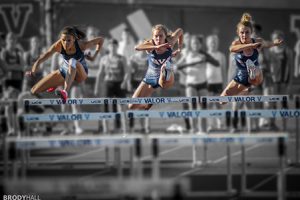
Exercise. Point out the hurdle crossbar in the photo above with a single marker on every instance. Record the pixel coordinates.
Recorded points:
(54, 117)
(219, 138)
(120, 140)
(251, 98)
(96, 101)
(64, 142)
(282, 113)
(177, 113)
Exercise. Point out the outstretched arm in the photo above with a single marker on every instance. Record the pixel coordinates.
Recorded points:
(236, 46)
(148, 45)
(56, 47)
(269, 44)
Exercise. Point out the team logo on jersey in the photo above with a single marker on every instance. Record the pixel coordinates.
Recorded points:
(15, 16)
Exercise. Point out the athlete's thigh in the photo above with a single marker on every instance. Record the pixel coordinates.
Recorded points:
(81, 74)
(143, 90)
(233, 88)
(53, 79)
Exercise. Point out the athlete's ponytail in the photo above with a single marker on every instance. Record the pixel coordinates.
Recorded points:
(246, 20)
(73, 30)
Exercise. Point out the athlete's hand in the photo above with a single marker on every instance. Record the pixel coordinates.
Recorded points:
(277, 42)
(176, 52)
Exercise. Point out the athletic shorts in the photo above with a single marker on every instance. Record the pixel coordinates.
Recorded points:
(153, 82)
(65, 66)
(241, 77)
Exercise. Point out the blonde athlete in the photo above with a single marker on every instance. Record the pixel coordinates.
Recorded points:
(246, 51)
(71, 47)
(159, 72)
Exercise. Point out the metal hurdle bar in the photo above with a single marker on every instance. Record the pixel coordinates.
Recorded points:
(158, 140)
(97, 101)
(292, 113)
(18, 145)
(279, 139)
(249, 98)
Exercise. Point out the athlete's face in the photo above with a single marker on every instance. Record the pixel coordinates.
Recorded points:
(159, 37)
(67, 41)
(244, 33)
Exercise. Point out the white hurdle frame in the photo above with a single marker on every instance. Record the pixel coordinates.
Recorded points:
(194, 113)
(158, 140)
(248, 98)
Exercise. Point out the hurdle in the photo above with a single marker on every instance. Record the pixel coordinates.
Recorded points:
(265, 138)
(250, 98)
(164, 140)
(206, 113)
(97, 101)
(29, 118)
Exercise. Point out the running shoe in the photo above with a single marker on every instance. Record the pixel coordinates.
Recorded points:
(52, 89)
(62, 94)
(251, 68)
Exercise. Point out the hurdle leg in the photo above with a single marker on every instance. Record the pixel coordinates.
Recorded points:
(107, 156)
(244, 172)
(105, 126)
(118, 161)
(155, 162)
(137, 170)
(123, 121)
(229, 172)
(195, 161)
(281, 181)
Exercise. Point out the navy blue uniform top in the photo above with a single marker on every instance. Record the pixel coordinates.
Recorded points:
(242, 74)
(241, 59)
(78, 55)
(155, 62)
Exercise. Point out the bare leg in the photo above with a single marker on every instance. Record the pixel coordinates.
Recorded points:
(76, 72)
(70, 76)
(53, 79)
(165, 84)
(258, 78)
(232, 89)
(143, 90)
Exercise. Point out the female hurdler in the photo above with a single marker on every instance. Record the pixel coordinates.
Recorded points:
(246, 51)
(159, 72)
(71, 47)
